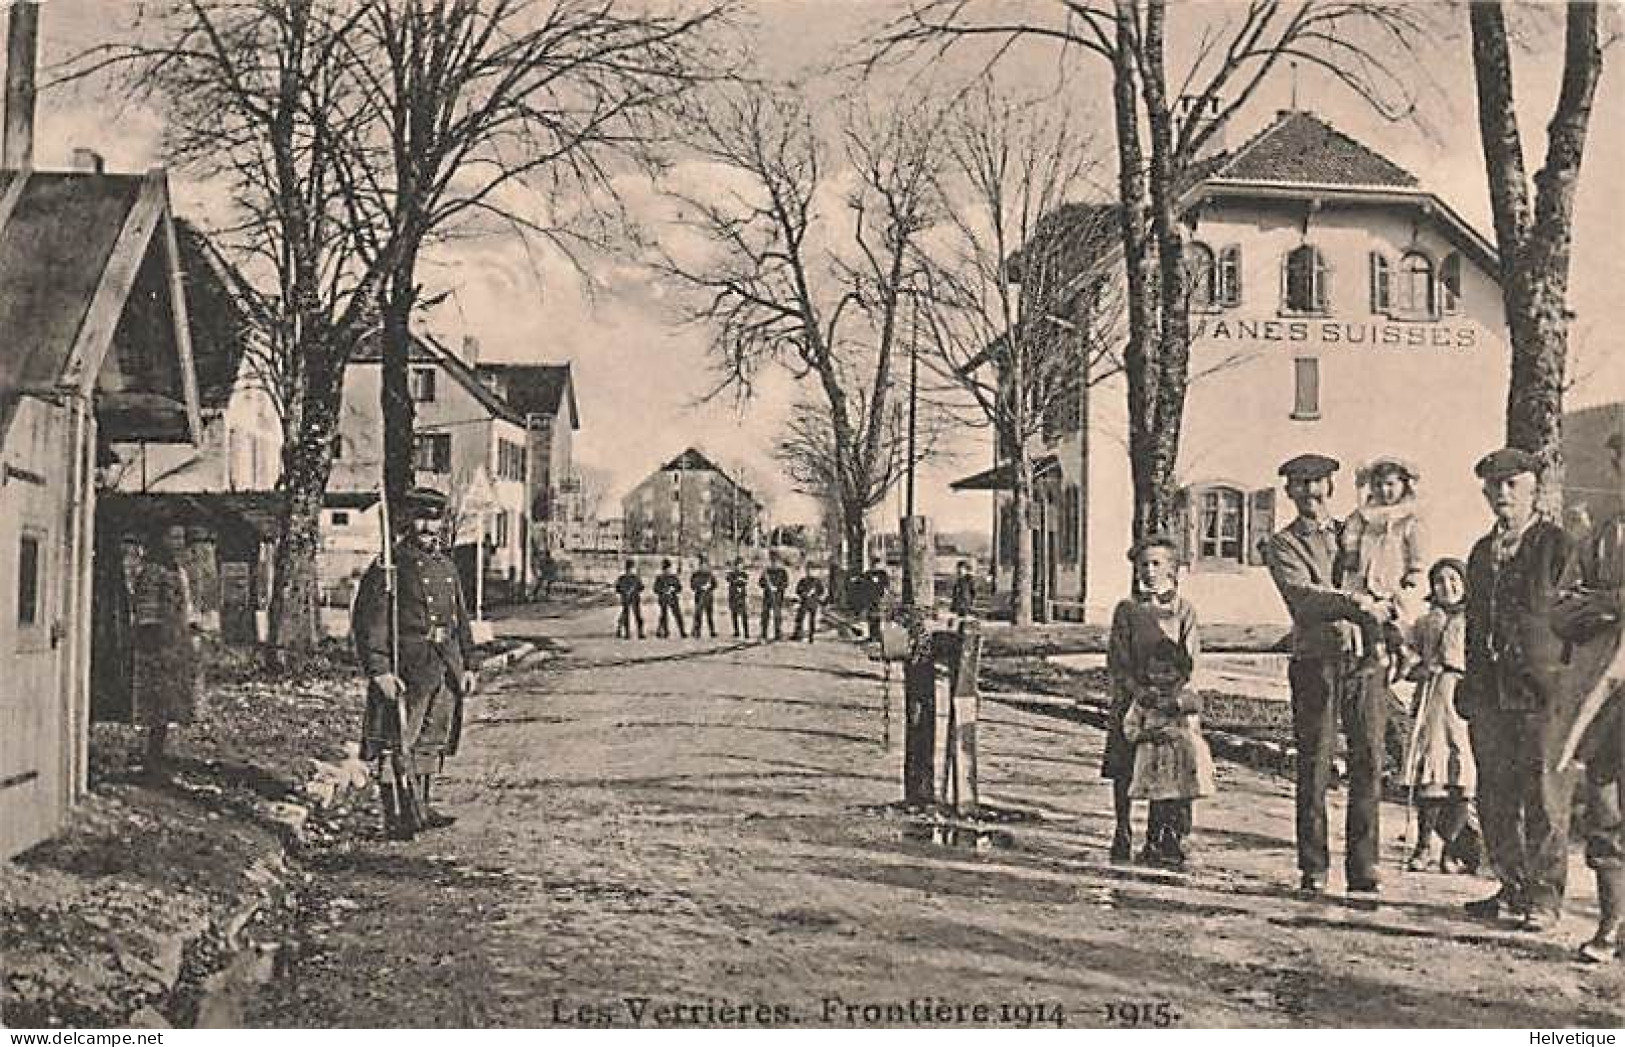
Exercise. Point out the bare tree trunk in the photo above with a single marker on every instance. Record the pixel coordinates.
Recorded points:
(855, 530)
(295, 617)
(395, 392)
(1021, 515)
(1139, 264)
(1535, 245)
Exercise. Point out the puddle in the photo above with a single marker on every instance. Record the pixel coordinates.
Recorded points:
(961, 837)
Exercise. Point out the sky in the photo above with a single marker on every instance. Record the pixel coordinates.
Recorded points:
(641, 374)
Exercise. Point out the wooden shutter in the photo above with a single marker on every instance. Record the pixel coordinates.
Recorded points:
(1306, 388)
(1230, 275)
(1260, 524)
(1379, 283)
(1450, 283)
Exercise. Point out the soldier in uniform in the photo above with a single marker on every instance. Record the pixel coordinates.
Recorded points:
(773, 583)
(963, 600)
(1511, 693)
(880, 586)
(738, 602)
(667, 589)
(1595, 613)
(809, 597)
(431, 664)
(629, 587)
(704, 585)
(1328, 680)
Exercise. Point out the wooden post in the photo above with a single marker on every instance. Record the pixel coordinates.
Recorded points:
(964, 709)
(919, 729)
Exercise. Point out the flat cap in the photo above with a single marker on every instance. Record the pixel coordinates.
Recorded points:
(1508, 461)
(425, 501)
(1152, 541)
(1309, 467)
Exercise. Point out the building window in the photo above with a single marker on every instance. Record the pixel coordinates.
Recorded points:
(422, 384)
(431, 452)
(1305, 389)
(1071, 524)
(1450, 283)
(1415, 297)
(500, 531)
(1305, 281)
(28, 580)
(1203, 275)
(338, 448)
(341, 518)
(1219, 530)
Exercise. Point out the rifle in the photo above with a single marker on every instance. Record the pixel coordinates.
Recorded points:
(402, 761)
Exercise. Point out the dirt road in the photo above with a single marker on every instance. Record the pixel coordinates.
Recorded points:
(696, 833)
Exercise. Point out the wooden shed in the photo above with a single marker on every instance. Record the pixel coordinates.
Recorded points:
(95, 350)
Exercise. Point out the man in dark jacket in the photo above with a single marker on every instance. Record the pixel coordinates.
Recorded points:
(629, 587)
(773, 583)
(962, 601)
(668, 587)
(809, 597)
(1328, 681)
(703, 584)
(430, 661)
(739, 600)
(1512, 695)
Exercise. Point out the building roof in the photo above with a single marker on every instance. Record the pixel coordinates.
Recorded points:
(1300, 147)
(691, 460)
(426, 350)
(260, 511)
(87, 266)
(1002, 477)
(221, 329)
(536, 388)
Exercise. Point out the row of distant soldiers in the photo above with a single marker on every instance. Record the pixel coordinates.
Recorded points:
(774, 583)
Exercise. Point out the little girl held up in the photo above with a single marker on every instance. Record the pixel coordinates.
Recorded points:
(1154, 746)
(1383, 556)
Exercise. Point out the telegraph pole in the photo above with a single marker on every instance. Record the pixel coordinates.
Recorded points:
(914, 532)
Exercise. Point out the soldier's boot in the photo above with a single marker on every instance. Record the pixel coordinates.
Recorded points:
(432, 819)
(1606, 945)
(396, 826)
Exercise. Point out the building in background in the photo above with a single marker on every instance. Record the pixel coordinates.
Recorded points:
(543, 396)
(1591, 490)
(690, 506)
(1338, 308)
(466, 439)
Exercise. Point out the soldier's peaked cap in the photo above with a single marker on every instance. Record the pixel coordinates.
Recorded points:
(1309, 467)
(1508, 461)
(425, 501)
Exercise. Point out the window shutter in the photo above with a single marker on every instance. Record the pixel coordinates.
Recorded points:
(1379, 283)
(1230, 275)
(1260, 524)
(1450, 283)
(1323, 282)
(1306, 388)
(1286, 280)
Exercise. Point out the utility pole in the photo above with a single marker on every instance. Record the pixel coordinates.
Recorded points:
(914, 532)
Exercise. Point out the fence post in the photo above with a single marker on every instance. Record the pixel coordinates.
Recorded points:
(959, 771)
(919, 724)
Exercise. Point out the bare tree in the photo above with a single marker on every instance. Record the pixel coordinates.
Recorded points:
(1533, 237)
(255, 94)
(475, 107)
(1362, 44)
(1020, 287)
(787, 283)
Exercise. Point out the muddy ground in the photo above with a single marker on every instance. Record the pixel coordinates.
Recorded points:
(699, 832)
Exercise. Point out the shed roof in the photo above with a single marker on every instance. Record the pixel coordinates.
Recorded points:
(87, 274)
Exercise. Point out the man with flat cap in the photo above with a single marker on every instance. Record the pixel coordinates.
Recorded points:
(429, 661)
(1329, 681)
(1512, 693)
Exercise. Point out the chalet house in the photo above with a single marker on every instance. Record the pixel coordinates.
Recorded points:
(98, 353)
(1339, 307)
(468, 442)
(544, 395)
(690, 506)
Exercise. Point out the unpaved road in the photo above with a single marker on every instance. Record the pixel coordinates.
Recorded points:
(696, 833)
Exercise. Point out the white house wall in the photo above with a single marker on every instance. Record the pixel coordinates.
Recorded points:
(1440, 403)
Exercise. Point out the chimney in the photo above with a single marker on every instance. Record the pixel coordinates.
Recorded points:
(88, 160)
(22, 47)
(1188, 108)
(471, 350)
